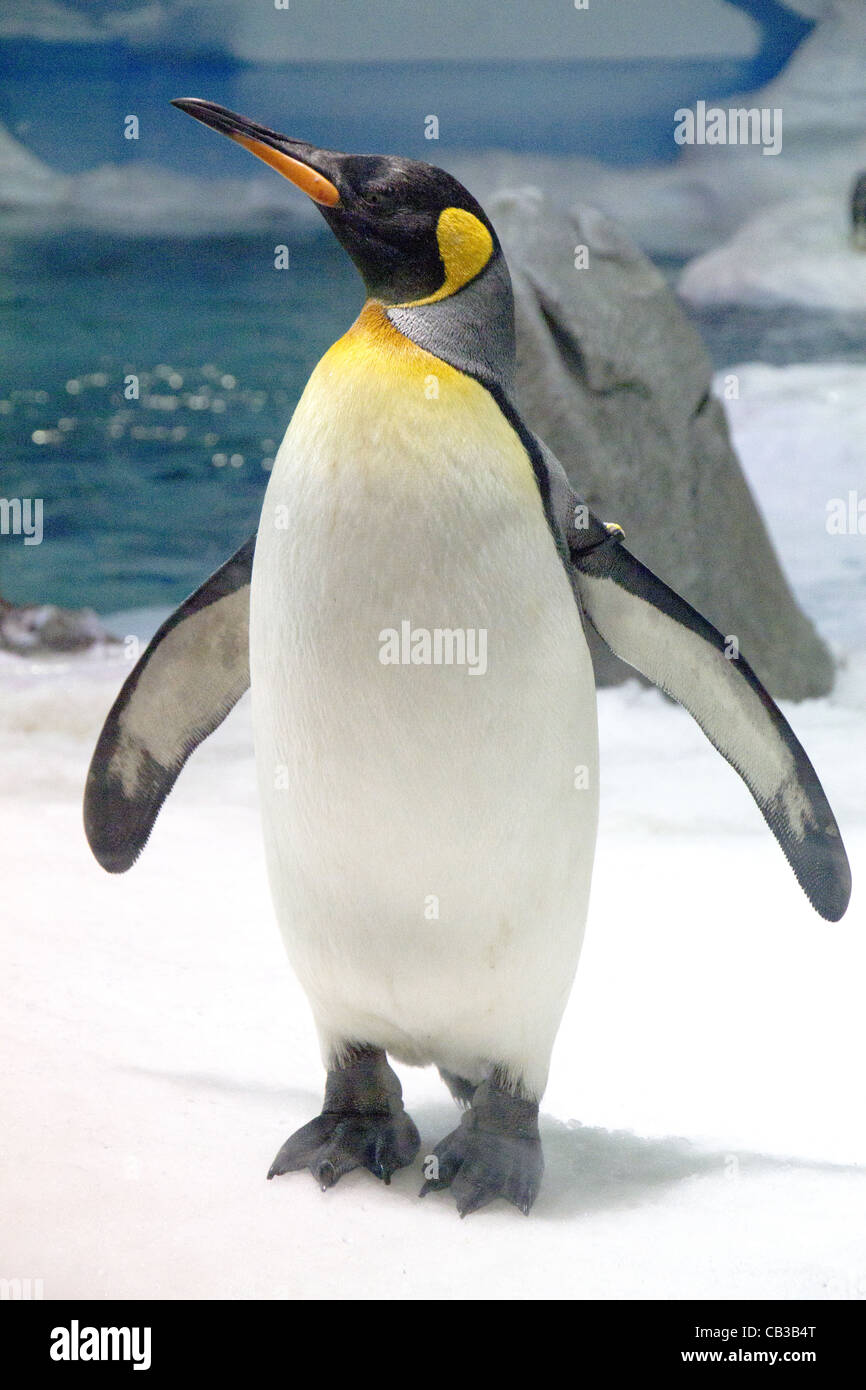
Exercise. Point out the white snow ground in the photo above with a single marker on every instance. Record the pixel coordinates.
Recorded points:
(703, 1127)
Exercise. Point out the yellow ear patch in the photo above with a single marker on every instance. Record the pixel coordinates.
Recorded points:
(465, 246)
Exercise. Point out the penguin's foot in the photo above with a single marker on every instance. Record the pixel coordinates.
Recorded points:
(331, 1145)
(362, 1125)
(494, 1152)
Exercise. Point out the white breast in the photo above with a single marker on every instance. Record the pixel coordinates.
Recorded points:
(429, 850)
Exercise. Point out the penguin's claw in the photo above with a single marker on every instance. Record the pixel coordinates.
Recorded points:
(334, 1144)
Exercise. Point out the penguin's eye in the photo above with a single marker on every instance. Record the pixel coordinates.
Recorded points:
(378, 197)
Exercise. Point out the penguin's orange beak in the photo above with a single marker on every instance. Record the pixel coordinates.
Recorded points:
(281, 153)
(316, 186)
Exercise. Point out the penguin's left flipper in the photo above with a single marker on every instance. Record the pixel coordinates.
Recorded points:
(192, 673)
(651, 628)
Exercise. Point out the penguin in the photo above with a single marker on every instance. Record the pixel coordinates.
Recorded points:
(429, 816)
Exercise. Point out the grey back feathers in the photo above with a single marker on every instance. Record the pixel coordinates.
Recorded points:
(193, 672)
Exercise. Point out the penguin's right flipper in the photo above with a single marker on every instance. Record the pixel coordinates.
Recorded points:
(649, 626)
(193, 672)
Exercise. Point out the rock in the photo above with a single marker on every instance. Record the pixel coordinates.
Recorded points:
(616, 380)
(38, 628)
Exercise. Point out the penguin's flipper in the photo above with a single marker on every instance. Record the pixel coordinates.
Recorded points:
(649, 626)
(193, 672)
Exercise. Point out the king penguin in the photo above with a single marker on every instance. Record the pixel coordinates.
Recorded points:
(429, 817)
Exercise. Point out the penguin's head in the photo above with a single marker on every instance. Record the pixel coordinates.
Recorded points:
(415, 233)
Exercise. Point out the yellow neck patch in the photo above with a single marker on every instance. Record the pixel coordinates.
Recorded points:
(465, 246)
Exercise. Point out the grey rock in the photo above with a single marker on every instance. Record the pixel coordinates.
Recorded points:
(614, 378)
(37, 628)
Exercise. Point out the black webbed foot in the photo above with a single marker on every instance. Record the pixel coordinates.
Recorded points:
(494, 1152)
(362, 1125)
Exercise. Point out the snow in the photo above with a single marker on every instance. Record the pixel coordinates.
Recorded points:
(823, 87)
(702, 1125)
(800, 431)
(138, 199)
(786, 227)
(27, 182)
(47, 21)
(794, 253)
(810, 9)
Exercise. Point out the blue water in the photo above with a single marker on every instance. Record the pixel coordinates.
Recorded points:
(136, 510)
